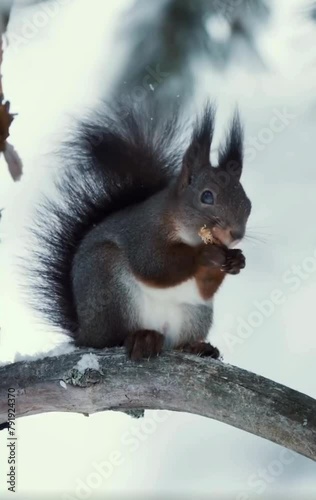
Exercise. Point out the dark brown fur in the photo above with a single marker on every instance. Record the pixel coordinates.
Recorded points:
(183, 262)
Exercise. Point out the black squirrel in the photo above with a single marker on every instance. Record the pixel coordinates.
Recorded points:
(120, 259)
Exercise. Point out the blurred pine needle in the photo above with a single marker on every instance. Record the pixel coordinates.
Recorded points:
(172, 34)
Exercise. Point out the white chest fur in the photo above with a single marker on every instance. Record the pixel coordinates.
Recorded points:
(165, 309)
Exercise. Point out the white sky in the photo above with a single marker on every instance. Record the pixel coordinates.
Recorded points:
(67, 64)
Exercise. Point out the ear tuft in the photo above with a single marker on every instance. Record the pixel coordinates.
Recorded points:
(198, 152)
(231, 154)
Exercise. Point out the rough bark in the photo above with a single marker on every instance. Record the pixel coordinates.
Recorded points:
(175, 381)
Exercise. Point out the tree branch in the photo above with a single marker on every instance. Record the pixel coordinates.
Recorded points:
(175, 381)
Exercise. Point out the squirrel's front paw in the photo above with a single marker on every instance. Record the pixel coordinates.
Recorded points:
(144, 344)
(235, 261)
(213, 256)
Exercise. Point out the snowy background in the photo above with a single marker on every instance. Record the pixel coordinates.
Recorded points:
(55, 66)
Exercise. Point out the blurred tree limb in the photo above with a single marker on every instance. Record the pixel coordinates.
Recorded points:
(175, 381)
(172, 34)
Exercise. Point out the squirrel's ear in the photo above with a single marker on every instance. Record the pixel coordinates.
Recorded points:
(231, 154)
(198, 153)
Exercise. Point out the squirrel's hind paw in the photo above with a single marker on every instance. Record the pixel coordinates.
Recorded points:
(203, 349)
(144, 344)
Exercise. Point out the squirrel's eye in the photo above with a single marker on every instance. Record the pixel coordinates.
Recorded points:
(207, 198)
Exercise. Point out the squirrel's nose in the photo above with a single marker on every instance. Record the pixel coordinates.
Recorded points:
(236, 234)
(222, 235)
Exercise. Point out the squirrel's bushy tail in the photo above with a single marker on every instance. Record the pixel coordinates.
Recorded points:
(115, 158)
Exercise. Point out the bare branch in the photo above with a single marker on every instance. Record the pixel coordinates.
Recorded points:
(175, 381)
